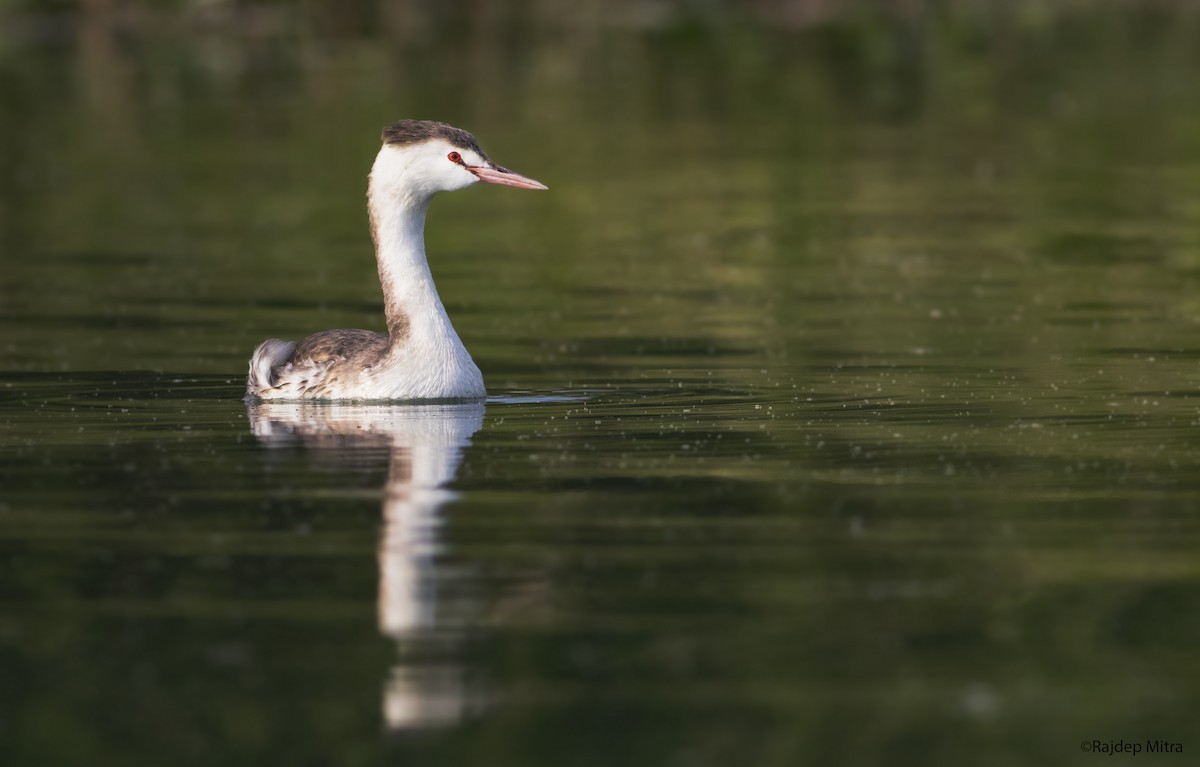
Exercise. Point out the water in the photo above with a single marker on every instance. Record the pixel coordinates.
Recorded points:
(844, 400)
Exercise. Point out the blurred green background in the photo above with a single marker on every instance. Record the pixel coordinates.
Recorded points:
(180, 171)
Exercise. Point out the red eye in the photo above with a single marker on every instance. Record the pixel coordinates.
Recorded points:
(455, 157)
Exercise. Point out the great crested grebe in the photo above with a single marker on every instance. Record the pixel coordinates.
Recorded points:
(421, 357)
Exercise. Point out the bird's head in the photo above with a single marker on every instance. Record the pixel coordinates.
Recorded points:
(420, 158)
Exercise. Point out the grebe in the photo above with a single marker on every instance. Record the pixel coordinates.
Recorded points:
(421, 357)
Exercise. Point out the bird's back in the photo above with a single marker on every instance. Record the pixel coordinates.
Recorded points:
(323, 366)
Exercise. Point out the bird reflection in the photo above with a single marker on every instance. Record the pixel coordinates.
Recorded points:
(424, 445)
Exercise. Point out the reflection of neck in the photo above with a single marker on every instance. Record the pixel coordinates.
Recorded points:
(410, 300)
(415, 696)
(423, 459)
(407, 596)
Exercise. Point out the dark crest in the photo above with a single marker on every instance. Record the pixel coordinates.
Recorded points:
(415, 131)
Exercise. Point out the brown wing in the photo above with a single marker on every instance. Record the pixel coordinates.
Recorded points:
(362, 346)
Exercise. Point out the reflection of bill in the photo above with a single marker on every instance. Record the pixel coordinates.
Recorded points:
(425, 445)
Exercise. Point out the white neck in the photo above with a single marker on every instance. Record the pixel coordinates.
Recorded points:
(411, 303)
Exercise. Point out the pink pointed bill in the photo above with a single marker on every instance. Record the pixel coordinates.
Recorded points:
(497, 175)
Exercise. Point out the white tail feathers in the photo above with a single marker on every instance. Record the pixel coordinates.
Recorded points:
(269, 355)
